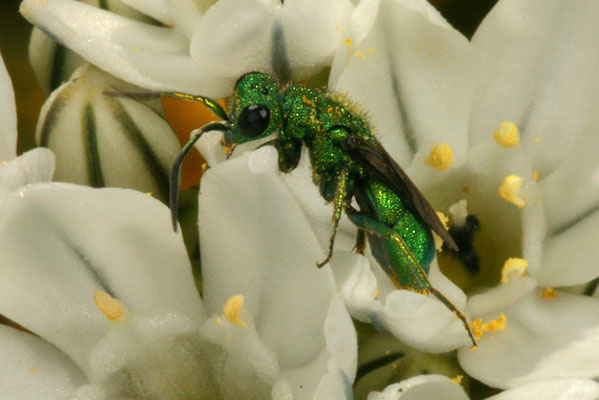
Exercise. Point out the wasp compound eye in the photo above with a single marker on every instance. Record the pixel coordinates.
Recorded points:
(253, 120)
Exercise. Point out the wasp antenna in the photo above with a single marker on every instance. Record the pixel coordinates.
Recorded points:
(174, 183)
(143, 96)
(280, 62)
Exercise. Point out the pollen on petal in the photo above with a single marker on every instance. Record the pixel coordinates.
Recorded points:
(512, 268)
(510, 190)
(507, 134)
(549, 293)
(457, 379)
(108, 305)
(441, 156)
(232, 309)
(479, 328)
(495, 325)
(535, 176)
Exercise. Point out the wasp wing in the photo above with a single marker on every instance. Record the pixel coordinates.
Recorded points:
(378, 163)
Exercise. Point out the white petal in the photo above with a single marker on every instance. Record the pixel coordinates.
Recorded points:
(152, 57)
(33, 369)
(8, 116)
(553, 389)
(181, 14)
(160, 357)
(423, 322)
(571, 192)
(239, 360)
(500, 297)
(535, 70)
(543, 338)
(311, 28)
(103, 140)
(35, 166)
(333, 371)
(357, 284)
(60, 242)
(411, 72)
(570, 256)
(422, 387)
(250, 223)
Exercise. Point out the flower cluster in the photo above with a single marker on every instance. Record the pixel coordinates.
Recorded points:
(499, 132)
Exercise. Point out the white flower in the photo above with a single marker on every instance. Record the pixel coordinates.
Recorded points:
(201, 49)
(436, 87)
(422, 84)
(442, 388)
(106, 286)
(101, 140)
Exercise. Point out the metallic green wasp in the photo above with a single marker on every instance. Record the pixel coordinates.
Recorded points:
(348, 163)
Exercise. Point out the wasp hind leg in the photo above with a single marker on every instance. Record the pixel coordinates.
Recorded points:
(413, 275)
(338, 204)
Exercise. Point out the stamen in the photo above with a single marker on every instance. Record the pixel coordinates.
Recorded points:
(549, 293)
(512, 268)
(507, 134)
(109, 306)
(459, 212)
(510, 190)
(232, 309)
(457, 379)
(441, 156)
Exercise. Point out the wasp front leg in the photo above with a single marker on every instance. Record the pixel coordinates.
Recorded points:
(338, 204)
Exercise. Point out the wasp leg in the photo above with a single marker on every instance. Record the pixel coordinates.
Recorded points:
(174, 181)
(360, 245)
(414, 271)
(338, 203)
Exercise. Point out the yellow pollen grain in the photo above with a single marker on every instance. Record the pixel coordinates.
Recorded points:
(376, 292)
(204, 166)
(232, 309)
(513, 267)
(441, 157)
(360, 54)
(549, 293)
(136, 50)
(329, 110)
(510, 190)
(34, 369)
(109, 306)
(370, 50)
(507, 134)
(306, 100)
(457, 379)
(537, 139)
(348, 43)
(479, 328)
(535, 176)
(476, 328)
